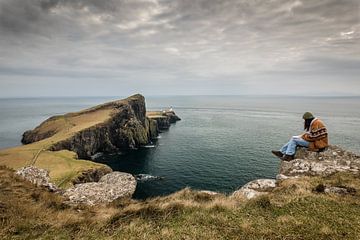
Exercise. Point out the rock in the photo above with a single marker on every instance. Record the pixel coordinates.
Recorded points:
(92, 175)
(110, 187)
(336, 190)
(163, 119)
(173, 118)
(255, 188)
(107, 128)
(37, 176)
(283, 177)
(211, 193)
(341, 190)
(308, 163)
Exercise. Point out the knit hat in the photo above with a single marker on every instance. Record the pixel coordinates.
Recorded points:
(308, 115)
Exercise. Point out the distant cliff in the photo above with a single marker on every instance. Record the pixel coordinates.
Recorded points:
(110, 127)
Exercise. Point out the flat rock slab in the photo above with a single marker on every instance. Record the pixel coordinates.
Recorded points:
(110, 187)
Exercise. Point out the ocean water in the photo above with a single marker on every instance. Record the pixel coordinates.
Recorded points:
(221, 143)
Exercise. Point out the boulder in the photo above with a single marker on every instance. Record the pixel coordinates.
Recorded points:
(110, 187)
(255, 188)
(37, 176)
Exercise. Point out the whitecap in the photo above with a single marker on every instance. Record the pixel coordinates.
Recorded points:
(147, 177)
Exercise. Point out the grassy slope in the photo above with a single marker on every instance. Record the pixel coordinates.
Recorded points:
(63, 165)
(293, 211)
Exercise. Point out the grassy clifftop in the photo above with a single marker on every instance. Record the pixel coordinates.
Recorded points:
(57, 143)
(297, 209)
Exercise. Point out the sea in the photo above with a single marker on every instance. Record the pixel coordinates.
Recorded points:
(221, 143)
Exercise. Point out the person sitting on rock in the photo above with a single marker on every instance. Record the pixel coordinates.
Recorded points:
(315, 138)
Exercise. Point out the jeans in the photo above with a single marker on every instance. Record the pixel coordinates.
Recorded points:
(290, 147)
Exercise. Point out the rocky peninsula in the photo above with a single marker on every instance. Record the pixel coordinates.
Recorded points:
(65, 144)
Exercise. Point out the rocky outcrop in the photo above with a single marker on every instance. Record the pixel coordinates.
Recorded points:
(307, 163)
(255, 188)
(37, 176)
(163, 119)
(98, 186)
(110, 187)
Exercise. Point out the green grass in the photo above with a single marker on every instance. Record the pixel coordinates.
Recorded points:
(293, 211)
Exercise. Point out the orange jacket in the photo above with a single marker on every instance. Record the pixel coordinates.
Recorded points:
(317, 135)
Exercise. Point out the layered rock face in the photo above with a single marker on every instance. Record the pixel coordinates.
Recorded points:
(163, 119)
(126, 127)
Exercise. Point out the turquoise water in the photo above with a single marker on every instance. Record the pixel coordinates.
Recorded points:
(221, 143)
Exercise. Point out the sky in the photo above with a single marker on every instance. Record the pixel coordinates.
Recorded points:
(179, 47)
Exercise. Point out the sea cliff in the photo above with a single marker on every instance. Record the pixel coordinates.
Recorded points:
(62, 143)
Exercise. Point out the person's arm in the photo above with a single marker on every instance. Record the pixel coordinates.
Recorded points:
(318, 132)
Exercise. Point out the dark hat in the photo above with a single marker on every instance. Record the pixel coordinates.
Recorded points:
(308, 115)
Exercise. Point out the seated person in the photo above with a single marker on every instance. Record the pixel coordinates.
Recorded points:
(315, 138)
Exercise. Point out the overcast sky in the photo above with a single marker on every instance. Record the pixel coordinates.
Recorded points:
(179, 47)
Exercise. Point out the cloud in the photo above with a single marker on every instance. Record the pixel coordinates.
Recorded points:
(180, 42)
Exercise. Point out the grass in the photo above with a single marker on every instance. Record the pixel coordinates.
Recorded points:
(293, 211)
(63, 165)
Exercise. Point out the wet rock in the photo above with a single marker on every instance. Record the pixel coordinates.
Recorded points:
(37, 176)
(110, 187)
(255, 188)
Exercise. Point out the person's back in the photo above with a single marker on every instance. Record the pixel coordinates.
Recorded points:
(317, 136)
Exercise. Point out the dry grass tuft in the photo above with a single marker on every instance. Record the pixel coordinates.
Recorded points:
(293, 211)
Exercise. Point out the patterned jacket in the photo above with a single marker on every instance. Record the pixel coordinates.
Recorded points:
(317, 135)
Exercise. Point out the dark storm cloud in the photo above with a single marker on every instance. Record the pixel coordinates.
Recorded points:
(179, 42)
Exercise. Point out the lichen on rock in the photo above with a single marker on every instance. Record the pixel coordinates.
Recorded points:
(332, 160)
(255, 188)
(110, 187)
(37, 176)
(306, 163)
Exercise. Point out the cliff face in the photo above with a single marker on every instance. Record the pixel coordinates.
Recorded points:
(109, 127)
(163, 119)
(126, 129)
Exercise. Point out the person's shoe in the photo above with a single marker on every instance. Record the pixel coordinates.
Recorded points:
(287, 157)
(277, 153)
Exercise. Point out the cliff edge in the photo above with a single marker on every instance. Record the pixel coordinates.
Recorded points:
(59, 143)
(306, 165)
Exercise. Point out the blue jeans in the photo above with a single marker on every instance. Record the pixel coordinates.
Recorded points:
(290, 147)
